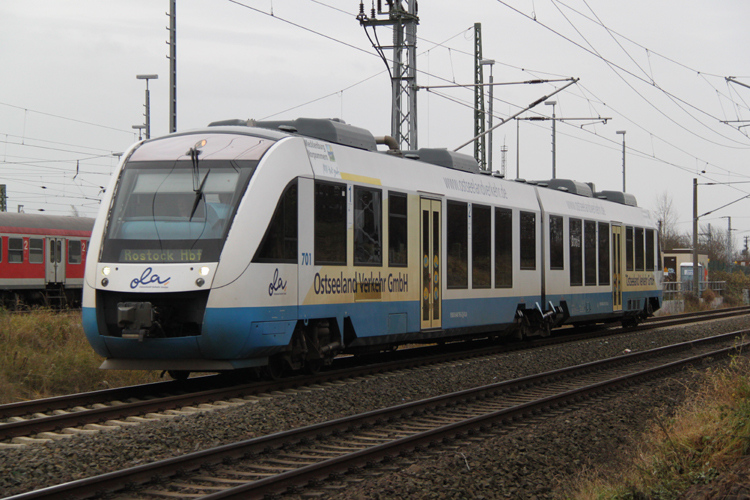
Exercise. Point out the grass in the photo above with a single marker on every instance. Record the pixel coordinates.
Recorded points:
(705, 437)
(45, 353)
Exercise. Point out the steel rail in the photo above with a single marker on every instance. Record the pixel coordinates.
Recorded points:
(202, 391)
(122, 393)
(284, 482)
(179, 466)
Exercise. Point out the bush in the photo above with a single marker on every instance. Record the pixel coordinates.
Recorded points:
(706, 436)
(45, 353)
(692, 302)
(735, 283)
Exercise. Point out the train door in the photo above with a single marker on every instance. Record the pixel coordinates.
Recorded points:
(430, 223)
(616, 268)
(55, 260)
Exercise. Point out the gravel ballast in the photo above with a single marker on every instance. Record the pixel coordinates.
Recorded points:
(538, 460)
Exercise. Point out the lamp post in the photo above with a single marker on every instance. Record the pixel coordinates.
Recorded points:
(623, 158)
(148, 102)
(554, 156)
(730, 257)
(139, 128)
(518, 150)
(490, 63)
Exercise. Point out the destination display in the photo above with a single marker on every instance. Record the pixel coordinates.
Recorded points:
(158, 255)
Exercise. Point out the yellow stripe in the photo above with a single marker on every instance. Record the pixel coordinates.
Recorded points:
(360, 178)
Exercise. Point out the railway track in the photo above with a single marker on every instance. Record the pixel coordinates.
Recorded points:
(63, 417)
(355, 446)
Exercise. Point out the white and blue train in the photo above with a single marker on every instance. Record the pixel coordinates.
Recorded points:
(280, 244)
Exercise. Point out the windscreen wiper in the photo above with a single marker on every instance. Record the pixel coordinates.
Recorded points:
(194, 152)
(198, 195)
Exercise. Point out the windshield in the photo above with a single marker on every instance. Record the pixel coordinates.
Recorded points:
(157, 208)
(179, 210)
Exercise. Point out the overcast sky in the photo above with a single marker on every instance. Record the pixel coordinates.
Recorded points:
(69, 94)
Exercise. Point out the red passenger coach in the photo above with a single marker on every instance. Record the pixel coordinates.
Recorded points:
(42, 258)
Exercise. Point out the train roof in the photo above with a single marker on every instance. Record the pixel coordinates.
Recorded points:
(618, 197)
(585, 189)
(39, 221)
(329, 130)
(337, 131)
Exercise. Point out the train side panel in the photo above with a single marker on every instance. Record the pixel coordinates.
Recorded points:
(252, 310)
(33, 267)
(582, 272)
(375, 250)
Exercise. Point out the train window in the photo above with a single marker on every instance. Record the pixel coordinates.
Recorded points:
(649, 249)
(528, 240)
(15, 250)
(556, 258)
(481, 251)
(639, 249)
(36, 250)
(576, 252)
(458, 243)
(603, 253)
(436, 238)
(628, 248)
(589, 242)
(368, 226)
(503, 248)
(74, 252)
(397, 229)
(279, 244)
(330, 223)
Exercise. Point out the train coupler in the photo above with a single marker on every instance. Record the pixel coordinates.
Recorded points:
(135, 319)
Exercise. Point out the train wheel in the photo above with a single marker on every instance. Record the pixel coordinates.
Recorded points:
(179, 374)
(546, 330)
(275, 368)
(313, 366)
(630, 322)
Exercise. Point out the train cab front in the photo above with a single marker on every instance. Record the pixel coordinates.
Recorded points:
(170, 213)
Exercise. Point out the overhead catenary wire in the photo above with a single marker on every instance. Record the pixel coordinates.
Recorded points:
(457, 101)
(454, 50)
(624, 70)
(653, 83)
(645, 155)
(66, 118)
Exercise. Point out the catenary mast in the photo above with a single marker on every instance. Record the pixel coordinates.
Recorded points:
(402, 15)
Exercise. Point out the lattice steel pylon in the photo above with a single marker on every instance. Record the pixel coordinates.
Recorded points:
(480, 145)
(402, 15)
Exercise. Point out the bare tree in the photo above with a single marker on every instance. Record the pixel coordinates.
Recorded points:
(667, 217)
(713, 242)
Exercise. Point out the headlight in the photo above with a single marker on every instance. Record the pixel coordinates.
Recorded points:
(204, 271)
(106, 270)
